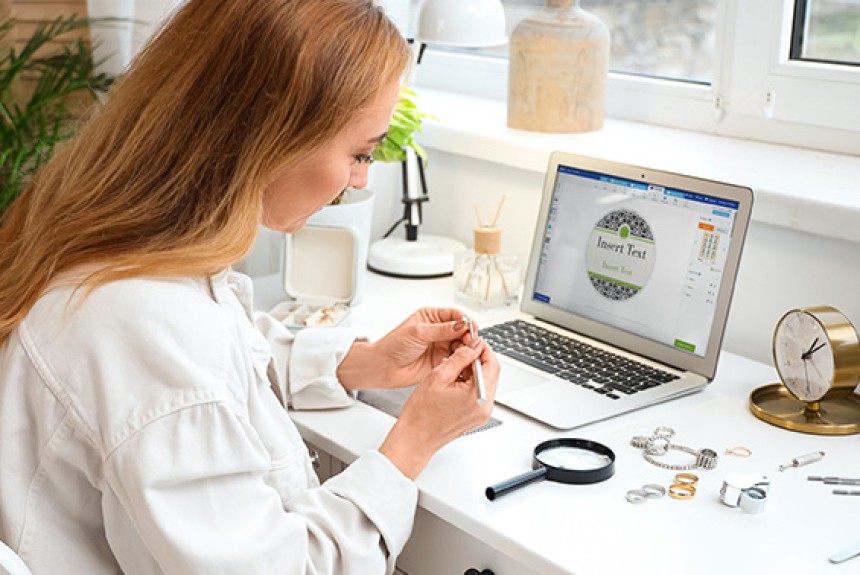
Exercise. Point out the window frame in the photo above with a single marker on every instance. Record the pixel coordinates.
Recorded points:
(756, 92)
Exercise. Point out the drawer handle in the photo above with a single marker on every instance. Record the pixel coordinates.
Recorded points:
(315, 458)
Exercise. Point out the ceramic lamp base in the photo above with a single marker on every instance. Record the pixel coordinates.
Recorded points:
(426, 257)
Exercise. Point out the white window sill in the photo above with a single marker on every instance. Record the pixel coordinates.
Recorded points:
(806, 190)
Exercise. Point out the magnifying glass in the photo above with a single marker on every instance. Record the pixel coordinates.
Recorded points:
(567, 460)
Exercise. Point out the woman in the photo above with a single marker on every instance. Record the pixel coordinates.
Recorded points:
(142, 412)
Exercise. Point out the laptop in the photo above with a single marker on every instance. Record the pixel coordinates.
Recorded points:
(626, 294)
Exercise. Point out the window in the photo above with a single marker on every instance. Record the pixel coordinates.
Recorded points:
(826, 31)
(784, 71)
(671, 39)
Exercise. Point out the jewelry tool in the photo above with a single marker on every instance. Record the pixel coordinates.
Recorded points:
(480, 390)
(846, 492)
(566, 460)
(830, 480)
(802, 460)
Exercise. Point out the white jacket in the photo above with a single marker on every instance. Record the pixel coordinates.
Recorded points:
(139, 434)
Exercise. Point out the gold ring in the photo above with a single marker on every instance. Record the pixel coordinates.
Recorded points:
(682, 491)
(686, 479)
(739, 451)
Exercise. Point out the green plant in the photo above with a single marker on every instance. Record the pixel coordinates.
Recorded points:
(405, 123)
(61, 73)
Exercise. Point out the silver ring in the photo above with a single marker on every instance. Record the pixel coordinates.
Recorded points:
(654, 491)
(640, 441)
(658, 446)
(637, 496)
(664, 432)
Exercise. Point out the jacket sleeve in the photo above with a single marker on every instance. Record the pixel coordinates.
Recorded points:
(304, 366)
(199, 490)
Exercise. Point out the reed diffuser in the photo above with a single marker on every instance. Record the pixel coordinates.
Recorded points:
(485, 276)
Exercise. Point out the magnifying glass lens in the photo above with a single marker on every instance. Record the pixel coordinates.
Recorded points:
(573, 458)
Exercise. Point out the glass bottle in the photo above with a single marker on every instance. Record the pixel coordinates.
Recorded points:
(559, 58)
(486, 277)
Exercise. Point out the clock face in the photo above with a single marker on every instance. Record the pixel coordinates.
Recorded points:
(803, 356)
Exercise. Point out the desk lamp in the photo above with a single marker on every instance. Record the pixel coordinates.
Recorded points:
(457, 23)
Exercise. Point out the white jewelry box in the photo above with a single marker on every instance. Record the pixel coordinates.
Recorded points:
(319, 277)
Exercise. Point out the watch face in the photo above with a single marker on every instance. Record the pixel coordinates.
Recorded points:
(803, 356)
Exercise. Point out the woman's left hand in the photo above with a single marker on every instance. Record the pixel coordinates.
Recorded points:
(407, 353)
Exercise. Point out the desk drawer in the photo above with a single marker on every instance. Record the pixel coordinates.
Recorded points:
(437, 547)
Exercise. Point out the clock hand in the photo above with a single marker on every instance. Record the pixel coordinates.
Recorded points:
(813, 350)
(805, 355)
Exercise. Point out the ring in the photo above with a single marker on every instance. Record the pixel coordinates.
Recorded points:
(739, 451)
(640, 441)
(682, 491)
(686, 479)
(658, 446)
(664, 432)
(654, 491)
(636, 496)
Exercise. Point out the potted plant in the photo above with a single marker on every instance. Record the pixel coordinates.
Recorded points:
(43, 89)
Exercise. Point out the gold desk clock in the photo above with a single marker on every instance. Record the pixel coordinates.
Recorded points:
(817, 355)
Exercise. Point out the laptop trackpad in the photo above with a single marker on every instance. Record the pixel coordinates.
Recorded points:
(513, 378)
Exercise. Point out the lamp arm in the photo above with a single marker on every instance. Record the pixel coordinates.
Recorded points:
(414, 192)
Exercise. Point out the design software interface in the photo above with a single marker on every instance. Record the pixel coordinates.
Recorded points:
(637, 256)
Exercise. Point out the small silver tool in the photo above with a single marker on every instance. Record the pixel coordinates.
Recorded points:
(480, 390)
(845, 554)
(830, 480)
(846, 492)
(802, 460)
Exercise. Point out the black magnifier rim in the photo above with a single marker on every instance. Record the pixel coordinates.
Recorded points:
(577, 476)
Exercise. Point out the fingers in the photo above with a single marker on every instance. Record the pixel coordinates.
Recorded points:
(462, 358)
(449, 330)
(440, 314)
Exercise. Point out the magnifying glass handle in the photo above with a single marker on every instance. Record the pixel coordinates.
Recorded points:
(509, 485)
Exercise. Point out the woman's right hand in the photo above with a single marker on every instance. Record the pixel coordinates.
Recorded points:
(441, 408)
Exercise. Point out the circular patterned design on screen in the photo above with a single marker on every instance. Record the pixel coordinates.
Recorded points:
(620, 255)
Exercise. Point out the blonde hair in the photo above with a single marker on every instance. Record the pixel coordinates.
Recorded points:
(168, 178)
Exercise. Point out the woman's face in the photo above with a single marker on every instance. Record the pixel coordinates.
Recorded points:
(304, 189)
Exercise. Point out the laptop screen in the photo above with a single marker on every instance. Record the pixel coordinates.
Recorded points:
(636, 255)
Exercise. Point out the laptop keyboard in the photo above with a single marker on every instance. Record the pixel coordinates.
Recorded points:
(601, 371)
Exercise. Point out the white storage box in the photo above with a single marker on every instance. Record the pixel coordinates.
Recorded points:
(319, 277)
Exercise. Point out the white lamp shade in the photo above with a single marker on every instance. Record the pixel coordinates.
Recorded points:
(462, 23)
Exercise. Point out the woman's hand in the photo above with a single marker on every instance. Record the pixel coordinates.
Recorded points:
(407, 353)
(442, 407)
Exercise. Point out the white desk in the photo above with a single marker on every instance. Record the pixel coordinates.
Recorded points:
(550, 528)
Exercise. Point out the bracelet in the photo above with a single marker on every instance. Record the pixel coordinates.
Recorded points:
(673, 466)
(658, 444)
